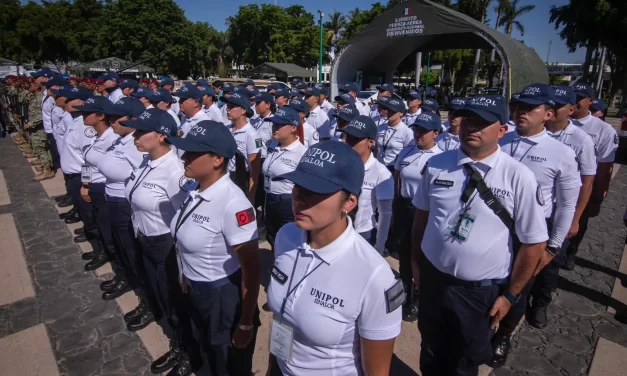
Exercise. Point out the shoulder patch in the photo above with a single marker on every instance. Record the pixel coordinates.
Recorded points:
(278, 275)
(444, 183)
(258, 143)
(187, 184)
(90, 132)
(424, 169)
(316, 136)
(540, 196)
(245, 217)
(394, 297)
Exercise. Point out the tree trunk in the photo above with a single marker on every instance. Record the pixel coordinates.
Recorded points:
(496, 27)
(586, 64)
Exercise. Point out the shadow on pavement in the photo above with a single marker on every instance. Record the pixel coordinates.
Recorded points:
(595, 296)
(603, 269)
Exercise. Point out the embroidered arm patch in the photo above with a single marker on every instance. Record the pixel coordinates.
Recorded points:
(394, 297)
(245, 217)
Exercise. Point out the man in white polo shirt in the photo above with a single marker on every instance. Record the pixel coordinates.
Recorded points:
(318, 119)
(462, 248)
(190, 103)
(353, 89)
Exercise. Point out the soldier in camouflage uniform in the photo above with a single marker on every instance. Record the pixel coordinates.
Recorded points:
(20, 116)
(34, 125)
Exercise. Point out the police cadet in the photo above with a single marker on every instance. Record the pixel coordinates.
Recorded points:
(563, 130)
(341, 120)
(511, 123)
(430, 105)
(302, 87)
(155, 191)
(317, 118)
(324, 103)
(190, 101)
(61, 120)
(449, 138)
(352, 89)
(281, 97)
(462, 234)
(605, 143)
(110, 85)
(210, 104)
(348, 317)
(249, 142)
(393, 135)
(382, 111)
(47, 108)
(414, 101)
(385, 90)
(555, 168)
(163, 100)
(407, 179)
(129, 86)
(144, 94)
(597, 108)
(284, 152)
(377, 190)
(168, 84)
(310, 135)
(227, 91)
(215, 235)
(262, 124)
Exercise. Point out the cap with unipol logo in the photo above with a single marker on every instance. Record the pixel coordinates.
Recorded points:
(126, 106)
(264, 97)
(515, 96)
(414, 95)
(207, 136)
(153, 119)
(383, 101)
(75, 93)
(598, 105)
(301, 85)
(228, 88)
(430, 104)
(312, 91)
(110, 76)
(346, 98)
(56, 81)
(249, 82)
(202, 82)
(583, 90)
(282, 93)
(209, 90)
(188, 91)
(387, 87)
(239, 99)
(458, 103)
(349, 87)
(161, 95)
(142, 92)
(361, 127)
(43, 72)
(346, 113)
(166, 81)
(285, 115)
(428, 121)
(95, 104)
(299, 105)
(491, 108)
(394, 104)
(565, 95)
(537, 94)
(328, 167)
(130, 84)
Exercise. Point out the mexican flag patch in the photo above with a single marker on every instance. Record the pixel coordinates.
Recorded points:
(258, 143)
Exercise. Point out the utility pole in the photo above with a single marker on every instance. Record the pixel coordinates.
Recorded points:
(427, 78)
(548, 53)
(320, 55)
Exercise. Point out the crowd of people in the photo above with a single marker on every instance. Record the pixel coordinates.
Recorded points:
(175, 188)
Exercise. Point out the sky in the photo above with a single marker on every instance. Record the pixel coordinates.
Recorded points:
(538, 30)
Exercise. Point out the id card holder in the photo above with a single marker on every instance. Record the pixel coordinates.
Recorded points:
(465, 222)
(281, 340)
(85, 173)
(266, 183)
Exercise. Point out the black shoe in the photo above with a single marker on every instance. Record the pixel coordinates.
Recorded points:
(501, 347)
(96, 263)
(88, 256)
(79, 231)
(182, 368)
(570, 262)
(166, 361)
(537, 317)
(135, 313)
(410, 311)
(266, 307)
(62, 197)
(110, 284)
(68, 214)
(72, 219)
(141, 322)
(121, 288)
(65, 203)
(80, 238)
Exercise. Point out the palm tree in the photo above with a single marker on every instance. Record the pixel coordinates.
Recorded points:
(334, 27)
(502, 7)
(511, 16)
(352, 14)
(477, 9)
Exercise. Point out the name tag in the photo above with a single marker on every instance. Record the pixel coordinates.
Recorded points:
(266, 184)
(278, 275)
(444, 183)
(281, 340)
(465, 222)
(85, 174)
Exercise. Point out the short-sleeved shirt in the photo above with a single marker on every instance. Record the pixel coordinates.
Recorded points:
(188, 123)
(603, 135)
(119, 163)
(95, 153)
(115, 95)
(410, 163)
(155, 192)
(77, 138)
(581, 143)
(391, 140)
(248, 142)
(326, 106)
(378, 185)
(175, 117)
(343, 299)
(487, 252)
(447, 141)
(218, 219)
(264, 128)
(47, 106)
(551, 162)
(310, 135)
(362, 108)
(59, 126)
(410, 119)
(281, 160)
(214, 113)
(319, 120)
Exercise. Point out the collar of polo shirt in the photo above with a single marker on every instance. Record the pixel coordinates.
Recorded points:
(127, 138)
(242, 129)
(570, 128)
(489, 161)
(290, 146)
(156, 162)
(336, 248)
(210, 191)
(370, 162)
(536, 138)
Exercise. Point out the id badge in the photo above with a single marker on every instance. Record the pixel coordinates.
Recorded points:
(266, 184)
(464, 226)
(85, 174)
(281, 340)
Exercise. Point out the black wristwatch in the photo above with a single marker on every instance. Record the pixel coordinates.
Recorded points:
(553, 250)
(511, 297)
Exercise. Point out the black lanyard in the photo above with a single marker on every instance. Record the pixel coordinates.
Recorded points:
(385, 144)
(290, 290)
(513, 151)
(272, 160)
(139, 180)
(471, 184)
(182, 218)
(420, 154)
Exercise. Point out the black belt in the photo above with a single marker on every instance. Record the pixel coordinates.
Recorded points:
(72, 176)
(118, 200)
(279, 197)
(449, 280)
(141, 237)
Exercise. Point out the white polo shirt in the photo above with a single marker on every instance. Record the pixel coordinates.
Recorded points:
(326, 106)
(582, 144)
(118, 165)
(77, 138)
(319, 120)
(214, 113)
(378, 185)
(264, 128)
(511, 126)
(281, 160)
(410, 119)
(310, 135)
(391, 140)
(115, 95)
(225, 117)
(95, 153)
(248, 142)
(47, 106)
(487, 252)
(157, 192)
(176, 107)
(218, 219)
(59, 126)
(175, 117)
(343, 299)
(447, 141)
(374, 110)
(362, 108)
(410, 163)
(603, 135)
(188, 123)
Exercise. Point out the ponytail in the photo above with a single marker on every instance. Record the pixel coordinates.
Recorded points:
(301, 133)
(240, 175)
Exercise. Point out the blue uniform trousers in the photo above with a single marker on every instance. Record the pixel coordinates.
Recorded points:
(101, 216)
(278, 212)
(85, 212)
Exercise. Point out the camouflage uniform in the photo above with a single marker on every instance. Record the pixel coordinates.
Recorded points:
(13, 93)
(38, 137)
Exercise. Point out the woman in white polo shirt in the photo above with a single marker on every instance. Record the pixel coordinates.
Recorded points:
(393, 135)
(334, 298)
(215, 234)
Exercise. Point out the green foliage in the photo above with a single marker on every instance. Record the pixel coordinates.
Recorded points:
(358, 20)
(511, 13)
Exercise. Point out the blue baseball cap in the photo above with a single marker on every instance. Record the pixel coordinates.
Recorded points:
(43, 72)
(564, 95)
(228, 88)
(324, 91)
(328, 167)
(346, 98)
(347, 113)
(153, 119)
(264, 97)
(209, 90)
(428, 121)
(394, 104)
(414, 95)
(491, 108)
(537, 94)
(458, 103)
(598, 105)
(387, 87)
(166, 81)
(189, 91)
(381, 102)
(583, 90)
(59, 92)
(273, 86)
(296, 94)
(56, 81)
(312, 91)
(282, 93)
(95, 104)
(430, 104)
(300, 105)
(301, 85)
(515, 96)
(349, 87)
(161, 95)
(207, 136)
(75, 93)
(295, 81)
(249, 82)
(252, 92)
(110, 76)
(142, 92)
(361, 127)
(126, 106)
(285, 115)
(130, 84)
(202, 82)
(239, 99)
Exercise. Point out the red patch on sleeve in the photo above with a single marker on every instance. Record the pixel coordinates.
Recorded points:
(245, 217)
